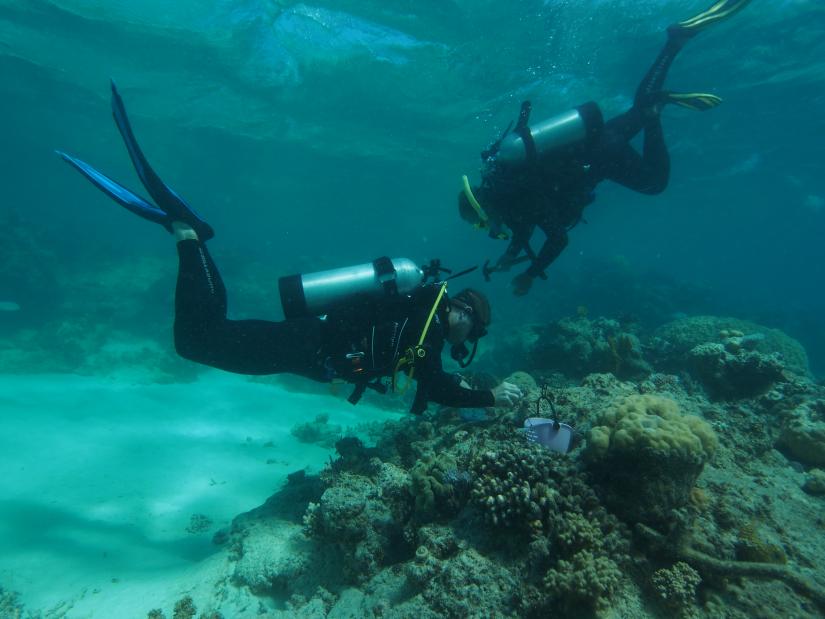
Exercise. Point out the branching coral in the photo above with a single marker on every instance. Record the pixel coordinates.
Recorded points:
(586, 580)
(513, 487)
(676, 587)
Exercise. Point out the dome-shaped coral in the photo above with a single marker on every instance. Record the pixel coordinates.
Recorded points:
(647, 455)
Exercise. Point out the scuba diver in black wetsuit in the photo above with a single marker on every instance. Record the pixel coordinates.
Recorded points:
(380, 319)
(543, 175)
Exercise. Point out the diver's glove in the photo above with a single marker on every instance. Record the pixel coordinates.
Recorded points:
(170, 206)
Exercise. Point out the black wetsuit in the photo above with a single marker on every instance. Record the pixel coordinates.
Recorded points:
(552, 192)
(359, 343)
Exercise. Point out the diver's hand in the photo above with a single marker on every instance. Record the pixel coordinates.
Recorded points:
(507, 394)
(521, 284)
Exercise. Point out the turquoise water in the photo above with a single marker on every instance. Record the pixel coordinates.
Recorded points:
(316, 135)
(340, 131)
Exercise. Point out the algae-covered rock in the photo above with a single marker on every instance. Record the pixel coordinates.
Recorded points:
(815, 482)
(803, 433)
(647, 455)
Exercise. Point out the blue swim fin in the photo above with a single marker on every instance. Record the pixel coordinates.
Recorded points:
(170, 206)
(118, 192)
(166, 198)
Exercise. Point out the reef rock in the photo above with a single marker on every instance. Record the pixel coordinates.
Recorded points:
(672, 343)
(729, 371)
(803, 433)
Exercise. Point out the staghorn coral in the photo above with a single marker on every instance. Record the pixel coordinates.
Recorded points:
(647, 456)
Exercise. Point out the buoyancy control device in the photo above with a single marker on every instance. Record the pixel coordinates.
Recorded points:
(314, 294)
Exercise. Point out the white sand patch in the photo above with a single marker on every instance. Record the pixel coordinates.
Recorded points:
(100, 481)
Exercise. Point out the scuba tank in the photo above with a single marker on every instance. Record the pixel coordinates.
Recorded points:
(526, 142)
(314, 294)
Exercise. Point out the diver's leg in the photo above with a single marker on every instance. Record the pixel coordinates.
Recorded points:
(653, 81)
(649, 93)
(646, 173)
(204, 335)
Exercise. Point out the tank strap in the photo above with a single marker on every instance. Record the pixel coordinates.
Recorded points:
(385, 272)
(523, 131)
(417, 353)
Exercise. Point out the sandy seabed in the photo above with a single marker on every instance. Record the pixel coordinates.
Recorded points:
(101, 480)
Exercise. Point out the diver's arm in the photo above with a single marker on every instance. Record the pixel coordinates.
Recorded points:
(521, 239)
(444, 388)
(436, 385)
(553, 246)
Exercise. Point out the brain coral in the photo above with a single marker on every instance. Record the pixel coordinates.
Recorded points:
(646, 455)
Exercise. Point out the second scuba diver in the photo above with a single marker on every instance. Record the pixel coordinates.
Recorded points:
(380, 319)
(543, 175)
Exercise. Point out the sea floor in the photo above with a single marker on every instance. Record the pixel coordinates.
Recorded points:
(112, 492)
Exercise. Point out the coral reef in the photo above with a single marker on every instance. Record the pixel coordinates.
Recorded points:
(440, 488)
(672, 342)
(732, 370)
(184, 609)
(9, 605)
(647, 456)
(580, 346)
(349, 518)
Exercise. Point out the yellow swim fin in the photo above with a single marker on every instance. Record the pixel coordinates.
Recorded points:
(717, 12)
(698, 101)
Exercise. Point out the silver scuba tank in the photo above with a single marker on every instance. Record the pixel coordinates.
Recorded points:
(314, 294)
(582, 123)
